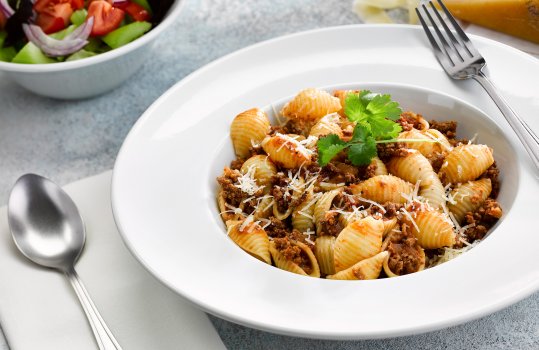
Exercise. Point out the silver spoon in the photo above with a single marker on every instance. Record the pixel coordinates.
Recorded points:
(48, 229)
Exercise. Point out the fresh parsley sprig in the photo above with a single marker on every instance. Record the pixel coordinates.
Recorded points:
(375, 117)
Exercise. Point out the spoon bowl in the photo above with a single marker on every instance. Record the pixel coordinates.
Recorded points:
(45, 222)
(48, 229)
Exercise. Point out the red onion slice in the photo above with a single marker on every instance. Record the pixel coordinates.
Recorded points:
(54, 47)
(6, 9)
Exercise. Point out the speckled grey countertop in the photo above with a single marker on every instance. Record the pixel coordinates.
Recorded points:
(67, 141)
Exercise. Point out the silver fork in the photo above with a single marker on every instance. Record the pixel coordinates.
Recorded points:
(461, 60)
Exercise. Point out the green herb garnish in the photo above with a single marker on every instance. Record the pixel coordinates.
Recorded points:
(375, 116)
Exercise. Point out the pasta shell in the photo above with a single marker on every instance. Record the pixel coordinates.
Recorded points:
(390, 273)
(415, 167)
(432, 229)
(465, 163)
(248, 128)
(468, 197)
(322, 206)
(380, 166)
(383, 189)
(367, 269)
(285, 151)
(311, 104)
(389, 225)
(324, 254)
(252, 238)
(328, 124)
(359, 240)
(303, 216)
(264, 208)
(225, 212)
(426, 148)
(264, 169)
(287, 265)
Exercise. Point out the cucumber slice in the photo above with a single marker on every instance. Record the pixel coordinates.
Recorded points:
(126, 34)
(80, 55)
(31, 54)
(7, 53)
(78, 17)
(63, 33)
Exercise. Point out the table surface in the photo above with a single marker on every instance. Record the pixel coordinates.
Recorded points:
(69, 140)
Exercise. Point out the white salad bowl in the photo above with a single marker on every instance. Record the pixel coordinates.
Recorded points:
(89, 76)
(164, 188)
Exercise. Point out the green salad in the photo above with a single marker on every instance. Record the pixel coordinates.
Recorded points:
(51, 31)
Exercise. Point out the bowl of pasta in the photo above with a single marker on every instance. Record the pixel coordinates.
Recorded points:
(344, 184)
(336, 191)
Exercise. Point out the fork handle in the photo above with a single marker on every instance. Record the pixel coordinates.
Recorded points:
(526, 135)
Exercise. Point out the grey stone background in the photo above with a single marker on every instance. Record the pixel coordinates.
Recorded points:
(67, 140)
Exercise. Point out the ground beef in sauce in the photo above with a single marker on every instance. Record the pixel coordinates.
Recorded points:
(339, 172)
(330, 225)
(297, 126)
(276, 228)
(448, 128)
(346, 201)
(236, 164)
(391, 210)
(232, 194)
(279, 182)
(404, 252)
(386, 151)
(483, 219)
(409, 120)
(493, 173)
(293, 253)
(437, 160)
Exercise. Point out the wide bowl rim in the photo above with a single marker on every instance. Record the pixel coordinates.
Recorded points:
(485, 309)
(100, 58)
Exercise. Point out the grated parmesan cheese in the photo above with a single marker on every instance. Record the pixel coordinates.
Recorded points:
(247, 182)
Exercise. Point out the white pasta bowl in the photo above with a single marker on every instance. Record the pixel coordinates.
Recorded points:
(164, 202)
(90, 76)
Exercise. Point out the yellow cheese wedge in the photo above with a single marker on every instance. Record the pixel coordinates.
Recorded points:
(519, 18)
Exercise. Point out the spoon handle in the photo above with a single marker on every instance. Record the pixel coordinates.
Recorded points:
(102, 333)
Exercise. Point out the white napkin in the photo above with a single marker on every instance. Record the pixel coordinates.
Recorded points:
(39, 310)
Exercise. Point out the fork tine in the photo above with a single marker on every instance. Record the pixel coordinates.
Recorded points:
(444, 59)
(455, 44)
(447, 49)
(466, 42)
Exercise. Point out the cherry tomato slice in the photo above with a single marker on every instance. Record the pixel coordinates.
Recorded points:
(106, 17)
(44, 5)
(137, 12)
(54, 18)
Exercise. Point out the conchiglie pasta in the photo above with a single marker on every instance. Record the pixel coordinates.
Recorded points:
(286, 152)
(297, 191)
(466, 163)
(263, 167)
(427, 148)
(468, 197)
(328, 124)
(359, 240)
(383, 189)
(415, 167)
(252, 238)
(311, 104)
(324, 254)
(248, 128)
(380, 167)
(422, 260)
(432, 229)
(323, 206)
(303, 215)
(367, 269)
(284, 264)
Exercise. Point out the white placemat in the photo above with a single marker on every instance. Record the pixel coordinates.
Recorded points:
(39, 310)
